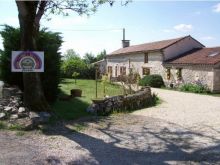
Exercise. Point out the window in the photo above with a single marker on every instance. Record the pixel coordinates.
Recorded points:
(168, 73)
(146, 58)
(146, 71)
(110, 70)
(116, 71)
(130, 70)
(122, 70)
(179, 73)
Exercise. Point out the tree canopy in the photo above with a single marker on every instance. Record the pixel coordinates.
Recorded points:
(30, 14)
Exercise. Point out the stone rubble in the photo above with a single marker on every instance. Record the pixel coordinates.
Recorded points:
(13, 110)
(2, 115)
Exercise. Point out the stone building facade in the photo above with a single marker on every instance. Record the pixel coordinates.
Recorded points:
(180, 60)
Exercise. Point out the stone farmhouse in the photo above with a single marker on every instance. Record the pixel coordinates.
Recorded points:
(180, 60)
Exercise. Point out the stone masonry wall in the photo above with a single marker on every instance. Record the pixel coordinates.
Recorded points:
(137, 63)
(216, 83)
(138, 100)
(192, 74)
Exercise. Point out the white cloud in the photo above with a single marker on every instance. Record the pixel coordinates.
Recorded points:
(207, 38)
(183, 27)
(216, 8)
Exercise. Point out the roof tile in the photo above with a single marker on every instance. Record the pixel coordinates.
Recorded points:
(158, 45)
(198, 56)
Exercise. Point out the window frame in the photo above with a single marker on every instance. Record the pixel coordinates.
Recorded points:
(146, 58)
(110, 70)
(179, 73)
(168, 73)
(143, 71)
(123, 70)
(116, 71)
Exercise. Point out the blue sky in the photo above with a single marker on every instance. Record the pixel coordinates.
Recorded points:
(144, 21)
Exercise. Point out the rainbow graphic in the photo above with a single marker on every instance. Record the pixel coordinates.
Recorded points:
(27, 61)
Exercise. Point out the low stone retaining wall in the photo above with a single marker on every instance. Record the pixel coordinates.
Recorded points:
(138, 100)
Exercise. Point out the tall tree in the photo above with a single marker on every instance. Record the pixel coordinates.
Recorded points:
(89, 58)
(101, 55)
(30, 14)
(71, 54)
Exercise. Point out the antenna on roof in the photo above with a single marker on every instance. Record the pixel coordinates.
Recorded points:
(125, 43)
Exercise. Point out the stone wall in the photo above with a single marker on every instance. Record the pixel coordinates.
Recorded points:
(191, 74)
(216, 81)
(138, 100)
(136, 62)
(155, 63)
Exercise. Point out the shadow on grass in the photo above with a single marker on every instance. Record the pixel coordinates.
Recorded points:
(71, 108)
(140, 141)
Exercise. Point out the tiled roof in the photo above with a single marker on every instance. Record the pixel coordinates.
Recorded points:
(208, 56)
(152, 46)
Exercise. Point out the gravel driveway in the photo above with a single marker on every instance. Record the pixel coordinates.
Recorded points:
(184, 129)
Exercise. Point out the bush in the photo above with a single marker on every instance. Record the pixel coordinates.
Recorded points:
(153, 80)
(195, 88)
(49, 42)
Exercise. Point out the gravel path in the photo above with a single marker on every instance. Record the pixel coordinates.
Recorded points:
(184, 129)
(186, 109)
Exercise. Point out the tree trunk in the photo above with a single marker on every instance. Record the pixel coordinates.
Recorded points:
(34, 97)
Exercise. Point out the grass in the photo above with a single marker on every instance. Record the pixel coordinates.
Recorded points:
(88, 88)
(76, 107)
(78, 127)
(2, 125)
(15, 127)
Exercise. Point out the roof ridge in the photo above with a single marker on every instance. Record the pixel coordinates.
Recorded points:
(161, 44)
(179, 38)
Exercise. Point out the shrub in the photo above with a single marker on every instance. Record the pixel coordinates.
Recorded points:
(76, 64)
(49, 42)
(195, 88)
(153, 80)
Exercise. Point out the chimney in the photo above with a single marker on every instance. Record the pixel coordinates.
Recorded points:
(125, 43)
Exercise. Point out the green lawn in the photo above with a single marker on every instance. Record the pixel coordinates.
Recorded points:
(76, 107)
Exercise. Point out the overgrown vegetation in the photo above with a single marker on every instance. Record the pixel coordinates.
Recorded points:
(153, 80)
(195, 88)
(47, 41)
(12, 127)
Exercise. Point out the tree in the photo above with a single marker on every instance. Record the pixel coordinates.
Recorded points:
(30, 14)
(75, 75)
(50, 43)
(89, 58)
(101, 55)
(71, 65)
(71, 54)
